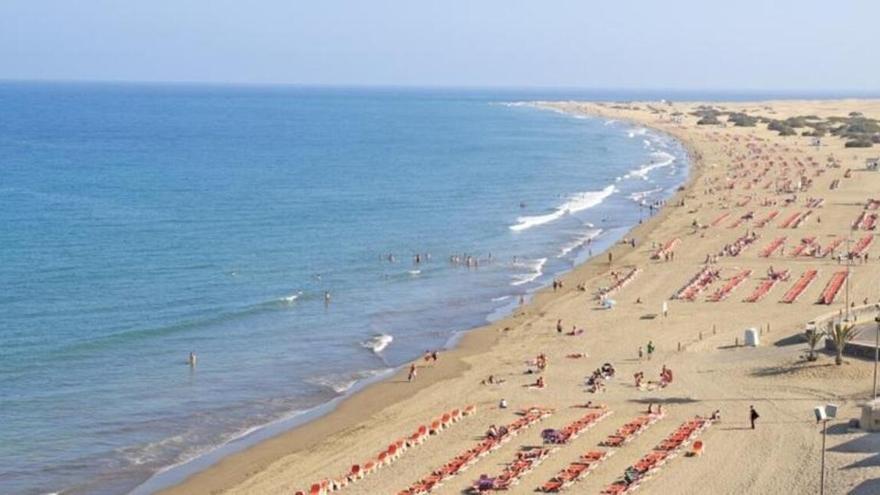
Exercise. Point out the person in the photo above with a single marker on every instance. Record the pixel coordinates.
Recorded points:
(716, 415)
(641, 354)
(192, 359)
(434, 356)
(326, 296)
(650, 349)
(559, 326)
(753, 416)
(412, 372)
(665, 309)
(493, 432)
(503, 404)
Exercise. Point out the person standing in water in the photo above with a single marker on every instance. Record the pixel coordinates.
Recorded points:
(192, 359)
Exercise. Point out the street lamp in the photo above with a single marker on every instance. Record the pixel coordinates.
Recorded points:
(823, 414)
(876, 347)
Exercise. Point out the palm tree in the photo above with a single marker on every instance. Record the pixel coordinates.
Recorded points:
(841, 335)
(814, 337)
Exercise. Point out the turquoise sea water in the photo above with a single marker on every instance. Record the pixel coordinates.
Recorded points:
(140, 223)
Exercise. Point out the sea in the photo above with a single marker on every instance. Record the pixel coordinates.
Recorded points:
(300, 241)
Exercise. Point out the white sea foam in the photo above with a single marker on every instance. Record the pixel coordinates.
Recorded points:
(342, 382)
(579, 242)
(536, 269)
(291, 298)
(660, 159)
(578, 202)
(415, 272)
(640, 196)
(378, 343)
(501, 298)
(641, 131)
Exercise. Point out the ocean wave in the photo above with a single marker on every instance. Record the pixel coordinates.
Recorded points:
(578, 202)
(500, 298)
(641, 131)
(579, 242)
(342, 382)
(536, 269)
(291, 298)
(378, 343)
(661, 159)
(639, 197)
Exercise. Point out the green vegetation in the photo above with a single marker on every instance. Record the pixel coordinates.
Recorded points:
(740, 119)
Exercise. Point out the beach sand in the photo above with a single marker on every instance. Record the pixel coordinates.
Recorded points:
(696, 340)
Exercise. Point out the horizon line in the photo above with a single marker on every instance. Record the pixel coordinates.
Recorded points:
(405, 86)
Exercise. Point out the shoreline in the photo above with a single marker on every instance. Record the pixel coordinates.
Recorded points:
(231, 466)
(738, 177)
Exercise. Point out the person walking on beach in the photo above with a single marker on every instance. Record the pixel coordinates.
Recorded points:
(640, 353)
(665, 309)
(412, 373)
(559, 326)
(650, 349)
(753, 416)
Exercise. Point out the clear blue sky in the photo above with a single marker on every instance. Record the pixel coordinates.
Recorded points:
(686, 44)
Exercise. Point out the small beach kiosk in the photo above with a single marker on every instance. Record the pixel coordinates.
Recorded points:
(751, 338)
(870, 420)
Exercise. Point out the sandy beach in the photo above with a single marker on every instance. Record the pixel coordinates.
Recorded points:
(749, 186)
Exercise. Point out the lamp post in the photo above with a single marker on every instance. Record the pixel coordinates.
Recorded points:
(822, 474)
(876, 347)
(848, 261)
(823, 414)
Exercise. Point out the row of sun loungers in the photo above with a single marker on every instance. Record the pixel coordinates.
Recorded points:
(772, 247)
(832, 246)
(815, 202)
(740, 220)
(391, 453)
(764, 287)
(631, 430)
(805, 243)
(862, 245)
(764, 221)
(740, 244)
(734, 282)
(619, 283)
(528, 458)
(720, 219)
(801, 219)
(834, 184)
(469, 457)
(800, 286)
(833, 287)
(651, 463)
(789, 220)
(865, 221)
(575, 471)
(667, 248)
(697, 284)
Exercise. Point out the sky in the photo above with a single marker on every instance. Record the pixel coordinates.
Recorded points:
(637, 44)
